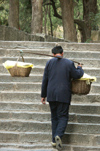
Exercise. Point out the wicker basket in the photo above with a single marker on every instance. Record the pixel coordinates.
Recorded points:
(80, 87)
(19, 71)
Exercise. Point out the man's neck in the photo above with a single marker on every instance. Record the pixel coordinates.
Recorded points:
(58, 54)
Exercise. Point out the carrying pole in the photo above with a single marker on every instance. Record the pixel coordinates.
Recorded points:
(21, 52)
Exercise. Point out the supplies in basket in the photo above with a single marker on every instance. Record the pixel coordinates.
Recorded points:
(18, 69)
(82, 85)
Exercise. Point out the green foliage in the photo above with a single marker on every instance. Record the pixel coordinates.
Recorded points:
(25, 15)
(95, 20)
(78, 9)
(56, 22)
(88, 40)
(4, 9)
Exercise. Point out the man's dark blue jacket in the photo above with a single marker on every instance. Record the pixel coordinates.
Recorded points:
(56, 84)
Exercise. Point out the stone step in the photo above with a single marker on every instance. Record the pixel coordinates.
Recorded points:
(88, 63)
(5, 52)
(37, 126)
(98, 79)
(24, 120)
(40, 69)
(18, 86)
(26, 44)
(36, 75)
(16, 53)
(26, 147)
(34, 86)
(38, 107)
(45, 137)
(31, 78)
(95, 88)
(90, 71)
(44, 147)
(65, 45)
(36, 97)
(45, 116)
(13, 149)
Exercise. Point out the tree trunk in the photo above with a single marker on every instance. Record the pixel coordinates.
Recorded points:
(68, 20)
(82, 28)
(49, 14)
(36, 25)
(89, 6)
(45, 20)
(14, 13)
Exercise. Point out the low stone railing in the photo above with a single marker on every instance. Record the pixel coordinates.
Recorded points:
(95, 36)
(12, 34)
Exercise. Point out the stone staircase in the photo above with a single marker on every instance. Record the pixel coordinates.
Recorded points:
(25, 122)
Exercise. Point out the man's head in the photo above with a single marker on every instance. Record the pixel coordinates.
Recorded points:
(57, 50)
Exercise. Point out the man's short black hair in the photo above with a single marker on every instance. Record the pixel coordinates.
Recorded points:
(57, 49)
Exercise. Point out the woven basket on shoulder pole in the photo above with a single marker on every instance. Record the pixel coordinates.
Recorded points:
(20, 71)
(80, 87)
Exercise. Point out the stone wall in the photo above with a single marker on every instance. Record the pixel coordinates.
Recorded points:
(12, 34)
(95, 36)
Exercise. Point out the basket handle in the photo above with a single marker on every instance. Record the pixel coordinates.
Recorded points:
(18, 59)
(21, 57)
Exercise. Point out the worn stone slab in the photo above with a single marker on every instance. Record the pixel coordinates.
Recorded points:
(21, 115)
(37, 38)
(27, 37)
(88, 118)
(67, 54)
(10, 34)
(20, 96)
(40, 70)
(84, 148)
(40, 60)
(95, 87)
(2, 32)
(20, 35)
(12, 149)
(96, 141)
(34, 106)
(34, 86)
(65, 147)
(90, 98)
(45, 116)
(27, 146)
(34, 137)
(17, 106)
(26, 86)
(85, 108)
(31, 78)
(36, 96)
(38, 126)
(65, 45)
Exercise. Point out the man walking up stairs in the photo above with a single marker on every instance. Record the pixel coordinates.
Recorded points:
(25, 122)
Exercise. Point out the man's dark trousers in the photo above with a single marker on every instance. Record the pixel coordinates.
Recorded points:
(59, 118)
